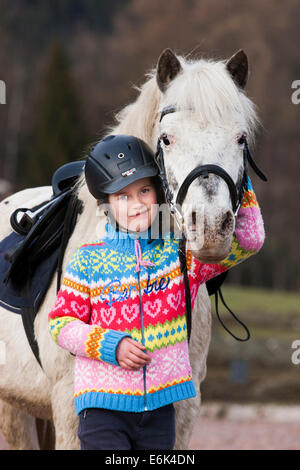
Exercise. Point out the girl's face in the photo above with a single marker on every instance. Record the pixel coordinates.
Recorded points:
(135, 206)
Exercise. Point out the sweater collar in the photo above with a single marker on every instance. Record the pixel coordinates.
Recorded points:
(126, 240)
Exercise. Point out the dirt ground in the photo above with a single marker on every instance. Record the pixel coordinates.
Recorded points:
(224, 434)
(242, 427)
(247, 427)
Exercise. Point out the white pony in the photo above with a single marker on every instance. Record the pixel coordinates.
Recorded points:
(211, 111)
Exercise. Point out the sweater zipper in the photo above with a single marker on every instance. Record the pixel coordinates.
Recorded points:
(143, 342)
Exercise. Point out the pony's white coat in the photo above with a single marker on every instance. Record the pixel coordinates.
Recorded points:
(212, 110)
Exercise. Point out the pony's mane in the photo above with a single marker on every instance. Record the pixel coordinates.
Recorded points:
(139, 117)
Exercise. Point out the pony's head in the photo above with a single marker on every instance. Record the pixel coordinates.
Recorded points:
(211, 113)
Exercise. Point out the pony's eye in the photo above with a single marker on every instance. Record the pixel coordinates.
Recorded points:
(165, 139)
(241, 138)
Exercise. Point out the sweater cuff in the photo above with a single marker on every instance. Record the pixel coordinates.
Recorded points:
(109, 346)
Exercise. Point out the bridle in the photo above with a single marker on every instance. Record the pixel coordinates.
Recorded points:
(236, 196)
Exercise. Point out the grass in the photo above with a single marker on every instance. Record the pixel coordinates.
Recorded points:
(273, 318)
(245, 299)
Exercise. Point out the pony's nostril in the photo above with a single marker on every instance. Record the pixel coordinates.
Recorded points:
(227, 223)
(194, 217)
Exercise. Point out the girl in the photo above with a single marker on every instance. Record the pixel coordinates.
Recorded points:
(121, 309)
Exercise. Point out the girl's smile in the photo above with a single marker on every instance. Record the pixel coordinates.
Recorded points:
(139, 213)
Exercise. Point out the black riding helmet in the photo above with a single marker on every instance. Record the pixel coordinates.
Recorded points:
(115, 162)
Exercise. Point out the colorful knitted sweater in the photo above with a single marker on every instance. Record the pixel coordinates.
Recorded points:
(110, 291)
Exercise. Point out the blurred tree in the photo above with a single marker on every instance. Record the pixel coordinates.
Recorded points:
(58, 133)
(37, 23)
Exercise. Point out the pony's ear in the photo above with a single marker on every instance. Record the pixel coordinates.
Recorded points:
(168, 66)
(237, 66)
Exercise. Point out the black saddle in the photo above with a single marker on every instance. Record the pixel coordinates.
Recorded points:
(30, 255)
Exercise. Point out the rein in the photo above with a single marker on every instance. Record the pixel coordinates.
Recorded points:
(236, 196)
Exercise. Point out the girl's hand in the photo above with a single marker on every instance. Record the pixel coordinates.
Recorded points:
(130, 354)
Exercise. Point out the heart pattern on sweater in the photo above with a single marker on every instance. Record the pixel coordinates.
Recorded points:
(59, 303)
(130, 313)
(80, 310)
(108, 315)
(152, 308)
(175, 300)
